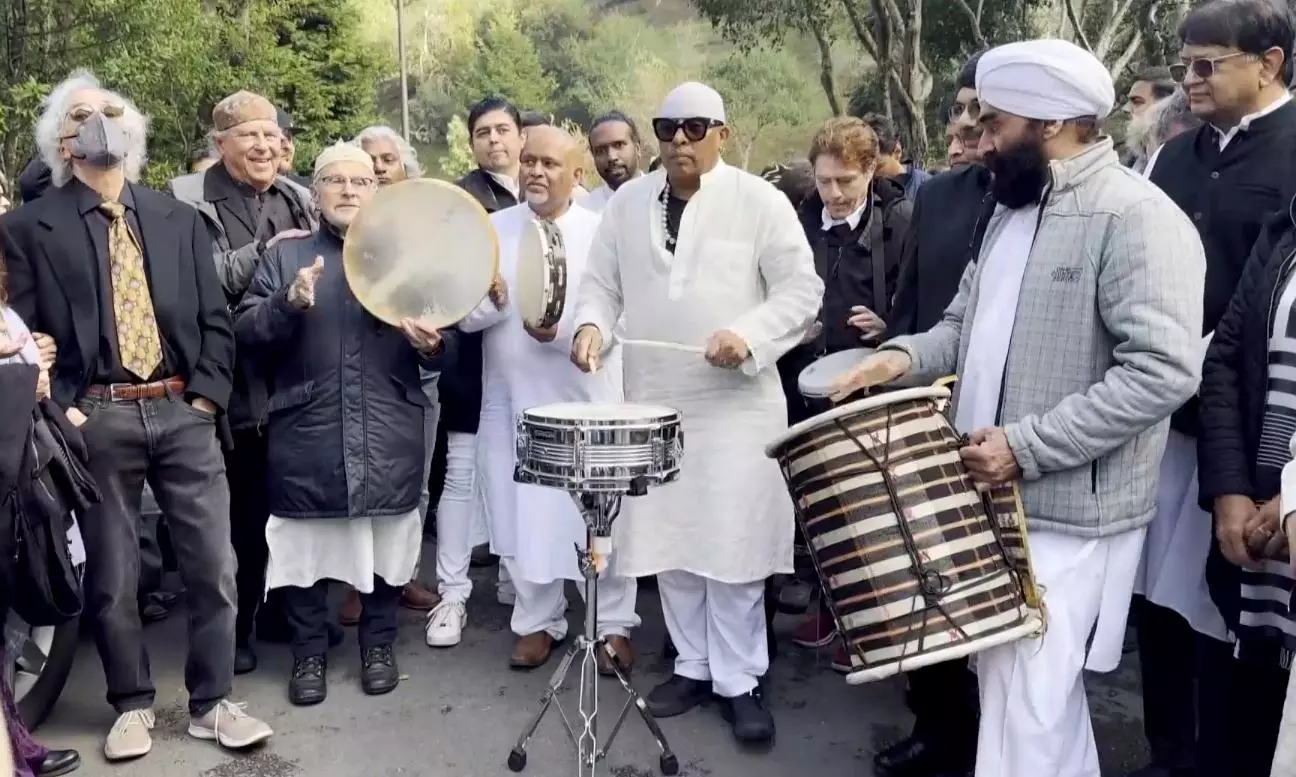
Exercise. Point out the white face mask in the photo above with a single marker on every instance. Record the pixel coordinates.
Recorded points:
(101, 141)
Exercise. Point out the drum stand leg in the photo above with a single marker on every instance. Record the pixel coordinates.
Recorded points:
(599, 511)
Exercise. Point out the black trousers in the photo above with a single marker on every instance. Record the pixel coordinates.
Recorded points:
(1170, 657)
(307, 610)
(249, 511)
(946, 705)
(1240, 706)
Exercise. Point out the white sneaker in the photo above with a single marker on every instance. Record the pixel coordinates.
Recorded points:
(445, 624)
(129, 736)
(505, 594)
(230, 727)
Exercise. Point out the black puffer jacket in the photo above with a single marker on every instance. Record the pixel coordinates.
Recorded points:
(346, 405)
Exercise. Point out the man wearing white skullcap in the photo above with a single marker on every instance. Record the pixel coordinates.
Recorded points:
(345, 434)
(711, 270)
(1074, 335)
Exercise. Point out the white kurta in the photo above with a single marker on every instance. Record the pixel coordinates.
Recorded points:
(597, 200)
(742, 264)
(538, 527)
(304, 551)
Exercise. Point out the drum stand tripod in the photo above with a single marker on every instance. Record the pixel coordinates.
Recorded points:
(598, 510)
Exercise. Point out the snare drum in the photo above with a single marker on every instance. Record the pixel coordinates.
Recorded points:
(541, 291)
(591, 448)
(918, 566)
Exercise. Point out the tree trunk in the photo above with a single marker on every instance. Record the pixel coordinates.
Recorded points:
(827, 78)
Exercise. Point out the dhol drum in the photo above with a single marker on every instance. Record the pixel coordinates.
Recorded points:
(541, 292)
(816, 380)
(592, 448)
(919, 567)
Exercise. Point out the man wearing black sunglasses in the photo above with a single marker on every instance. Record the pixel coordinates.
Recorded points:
(705, 253)
(1229, 176)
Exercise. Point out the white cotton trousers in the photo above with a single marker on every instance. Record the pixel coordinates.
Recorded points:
(1034, 712)
(543, 606)
(461, 523)
(718, 629)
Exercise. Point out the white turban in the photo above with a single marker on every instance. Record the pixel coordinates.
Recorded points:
(691, 100)
(342, 152)
(1049, 80)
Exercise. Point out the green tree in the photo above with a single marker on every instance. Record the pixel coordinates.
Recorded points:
(503, 60)
(763, 90)
(458, 160)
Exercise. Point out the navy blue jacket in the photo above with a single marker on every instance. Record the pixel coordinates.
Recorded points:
(346, 409)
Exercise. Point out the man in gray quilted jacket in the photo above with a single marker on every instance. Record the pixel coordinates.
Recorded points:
(1074, 336)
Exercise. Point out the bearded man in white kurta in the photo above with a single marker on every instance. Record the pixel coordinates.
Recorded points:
(1074, 336)
(712, 273)
(535, 530)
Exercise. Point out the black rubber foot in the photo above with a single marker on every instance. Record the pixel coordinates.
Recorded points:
(669, 764)
(517, 760)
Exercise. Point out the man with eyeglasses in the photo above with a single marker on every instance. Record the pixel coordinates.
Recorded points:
(1230, 176)
(342, 507)
(245, 203)
(713, 274)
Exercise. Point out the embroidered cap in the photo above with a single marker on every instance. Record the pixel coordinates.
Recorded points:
(240, 108)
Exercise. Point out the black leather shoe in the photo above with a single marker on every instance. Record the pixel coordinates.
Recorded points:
(309, 683)
(58, 762)
(677, 696)
(378, 672)
(916, 757)
(751, 721)
(151, 611)
(245, 659)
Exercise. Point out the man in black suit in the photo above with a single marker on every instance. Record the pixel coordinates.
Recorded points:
(122, 277)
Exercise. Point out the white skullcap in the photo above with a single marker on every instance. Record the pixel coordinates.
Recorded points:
(691, 100)
(342, 152)
(1049, 80)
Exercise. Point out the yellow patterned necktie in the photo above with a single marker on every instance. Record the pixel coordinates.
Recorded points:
(137, 334)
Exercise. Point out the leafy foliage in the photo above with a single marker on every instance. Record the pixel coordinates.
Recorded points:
(458, 160)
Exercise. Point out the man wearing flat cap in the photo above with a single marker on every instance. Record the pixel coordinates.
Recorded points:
(1074, 335)
(709, 257)
(345, 432)
(245, 203)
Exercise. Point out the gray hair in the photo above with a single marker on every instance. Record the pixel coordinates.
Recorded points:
(409, 157)
(1172, 117)
(49, 127)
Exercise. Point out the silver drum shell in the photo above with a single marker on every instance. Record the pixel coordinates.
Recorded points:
(598, 456)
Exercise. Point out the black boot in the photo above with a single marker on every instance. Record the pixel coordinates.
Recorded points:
(751, 721)
(309, 683)
(914, 757)
(677, 696)
(58, 762)
(378, 672)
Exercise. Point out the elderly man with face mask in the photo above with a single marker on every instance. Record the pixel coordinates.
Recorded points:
(712, 271)
(122, 277)
(343, 507)
(245, 202)
(1074, 335)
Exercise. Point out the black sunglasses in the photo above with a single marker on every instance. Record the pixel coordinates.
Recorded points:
(694, 129)
(1203, 67)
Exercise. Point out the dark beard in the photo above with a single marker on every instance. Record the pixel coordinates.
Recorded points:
(1020, 173)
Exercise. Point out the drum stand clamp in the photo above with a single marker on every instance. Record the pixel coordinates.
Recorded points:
(599, 511)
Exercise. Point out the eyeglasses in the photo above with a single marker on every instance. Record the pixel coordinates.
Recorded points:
(956, 111)
(339, 181)
(1202, 67)
(694, 129)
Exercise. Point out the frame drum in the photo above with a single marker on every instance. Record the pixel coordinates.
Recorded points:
(423, 249)
(541, 292)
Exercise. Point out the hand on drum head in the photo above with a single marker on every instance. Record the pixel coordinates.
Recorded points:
(587, 348)
(726, 349)
(499, 295)
(879, 368)
(301, 294)
(541, 335)
(989, 459)
(425, 338)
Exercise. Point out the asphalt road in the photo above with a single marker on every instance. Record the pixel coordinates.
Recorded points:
(458, 712)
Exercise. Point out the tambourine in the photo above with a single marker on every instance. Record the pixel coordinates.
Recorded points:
(541, 288)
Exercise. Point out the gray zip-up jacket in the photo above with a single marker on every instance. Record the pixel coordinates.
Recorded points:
(1105, 346)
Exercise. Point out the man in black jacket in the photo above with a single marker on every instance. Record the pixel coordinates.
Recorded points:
(1229, 176)
(122, 278)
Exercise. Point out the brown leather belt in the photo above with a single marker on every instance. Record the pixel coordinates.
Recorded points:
(129, 392)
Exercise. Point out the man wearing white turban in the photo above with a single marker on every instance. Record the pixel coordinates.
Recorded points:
(1074, 335)
(713, 274)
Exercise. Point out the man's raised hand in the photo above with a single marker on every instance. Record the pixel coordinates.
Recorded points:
(301, 294)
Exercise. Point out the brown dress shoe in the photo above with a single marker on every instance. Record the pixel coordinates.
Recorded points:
(416, 597)
(625, 656)
(349, 614)
(532, 651)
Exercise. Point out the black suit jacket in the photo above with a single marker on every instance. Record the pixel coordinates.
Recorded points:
(51, 265)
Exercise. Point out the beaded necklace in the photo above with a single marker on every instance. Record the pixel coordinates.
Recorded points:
(671, 239)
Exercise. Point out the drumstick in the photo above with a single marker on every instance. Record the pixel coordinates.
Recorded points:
(669, 346)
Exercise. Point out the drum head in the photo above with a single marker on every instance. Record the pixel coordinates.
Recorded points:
(816, 380)
(421, 248)
(881, 400)
(596, 411)
(531, 292)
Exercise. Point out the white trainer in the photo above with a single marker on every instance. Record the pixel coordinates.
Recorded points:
(129, 736)
(229, 726)
(445, 624)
